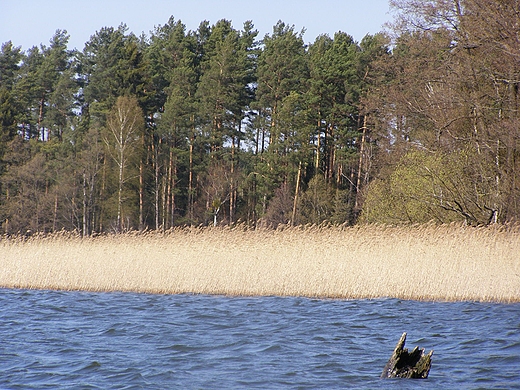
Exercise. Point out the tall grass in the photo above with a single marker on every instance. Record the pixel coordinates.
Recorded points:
(421, 262)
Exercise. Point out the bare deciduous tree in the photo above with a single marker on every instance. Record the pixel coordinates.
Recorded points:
(125, 124)
(454, 90)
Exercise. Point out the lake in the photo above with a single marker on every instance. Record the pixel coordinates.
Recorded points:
(81, 340)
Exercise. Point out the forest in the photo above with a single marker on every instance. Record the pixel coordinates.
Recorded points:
(219, 126)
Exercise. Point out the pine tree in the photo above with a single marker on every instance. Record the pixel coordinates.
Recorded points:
(225, 93)
(282, 79)
(10, 58)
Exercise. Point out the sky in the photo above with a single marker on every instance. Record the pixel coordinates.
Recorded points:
(30, 23)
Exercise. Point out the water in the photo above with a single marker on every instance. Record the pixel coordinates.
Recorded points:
(76, 340)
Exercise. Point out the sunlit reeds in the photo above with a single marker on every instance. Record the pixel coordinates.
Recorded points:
(420, 262)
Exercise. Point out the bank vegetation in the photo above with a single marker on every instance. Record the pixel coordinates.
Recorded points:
(427, 262)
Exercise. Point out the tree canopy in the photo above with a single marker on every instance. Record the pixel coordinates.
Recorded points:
(221, 126)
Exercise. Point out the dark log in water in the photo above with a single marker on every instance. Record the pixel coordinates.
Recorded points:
(404, 364)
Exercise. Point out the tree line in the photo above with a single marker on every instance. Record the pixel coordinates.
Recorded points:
(217, 126)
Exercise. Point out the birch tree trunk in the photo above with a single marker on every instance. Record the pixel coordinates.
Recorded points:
(125, 123)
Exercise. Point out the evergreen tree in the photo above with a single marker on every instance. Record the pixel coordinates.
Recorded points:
(177, 131)
(282, 69)
(10, 58)
(168, 45)
(225, 93)
(282, 77)
(112, 65)
(334, 99)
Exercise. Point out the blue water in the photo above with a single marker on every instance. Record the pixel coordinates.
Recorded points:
(78, 340)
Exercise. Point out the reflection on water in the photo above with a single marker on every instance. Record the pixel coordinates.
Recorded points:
(120, 340)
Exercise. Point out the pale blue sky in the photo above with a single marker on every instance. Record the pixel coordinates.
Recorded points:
(30, 22)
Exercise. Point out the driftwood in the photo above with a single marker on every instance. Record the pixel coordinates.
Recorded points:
(404, 364)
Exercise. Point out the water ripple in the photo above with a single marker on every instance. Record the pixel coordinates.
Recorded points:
(129, 341)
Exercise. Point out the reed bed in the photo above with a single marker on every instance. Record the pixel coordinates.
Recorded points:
(448, 263)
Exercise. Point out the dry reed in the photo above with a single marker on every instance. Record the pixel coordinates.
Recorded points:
(422, 262)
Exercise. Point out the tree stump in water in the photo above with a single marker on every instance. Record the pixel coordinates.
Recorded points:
(404, 364)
